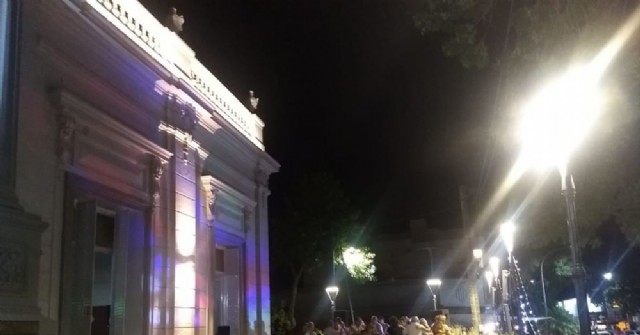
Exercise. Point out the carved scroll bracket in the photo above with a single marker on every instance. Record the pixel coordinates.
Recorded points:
(66, 135)
(156, 167)
(210, 194)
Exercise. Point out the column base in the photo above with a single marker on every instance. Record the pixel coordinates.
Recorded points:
(19, 327)
(20, 248)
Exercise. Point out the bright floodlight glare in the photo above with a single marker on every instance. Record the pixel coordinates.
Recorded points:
(332, 292)
(608, 276)
(488, 275)
(352, 256)
(434, 282)
(507, 233)
(477, 253)
(556, 120)
(494, 264)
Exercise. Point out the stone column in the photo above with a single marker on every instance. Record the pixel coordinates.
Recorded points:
(188, 316)
(261, 222)
(19, 231)
(9, 85)
(209, 196)
(159, 240)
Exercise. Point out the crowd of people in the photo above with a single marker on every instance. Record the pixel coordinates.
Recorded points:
(378, 326)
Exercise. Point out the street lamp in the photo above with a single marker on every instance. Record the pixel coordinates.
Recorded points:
(494, 264)
(507, 233)
(488, 275)
(477, 255)
(554, 123)
(332, 293)
(434, 286)
(608, 276)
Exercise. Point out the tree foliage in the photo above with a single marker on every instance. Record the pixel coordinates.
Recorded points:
(524, 42)
(616, 255)
(317, 217)
(358, 263)
(562, 323)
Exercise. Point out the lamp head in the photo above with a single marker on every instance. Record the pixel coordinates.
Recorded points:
(477, 253)
(434, 282)
(507, 233)
(558, 117)
(607, 276)
(332, 292)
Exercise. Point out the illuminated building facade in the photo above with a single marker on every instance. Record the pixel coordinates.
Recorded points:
(133, 184)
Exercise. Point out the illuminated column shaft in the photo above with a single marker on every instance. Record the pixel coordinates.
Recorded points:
(160, 254)
(262, 223)
(258, 297)
(188, 317)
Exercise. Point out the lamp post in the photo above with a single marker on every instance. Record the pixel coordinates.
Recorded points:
(542, 281)
(434, 286)
(554, 123)
(332, 293)
(494, 265)
(507, 233)
(351, 256)
(474, 299)
(608, 276)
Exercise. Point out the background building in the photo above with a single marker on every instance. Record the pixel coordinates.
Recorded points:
(133, 184)
(404, 262)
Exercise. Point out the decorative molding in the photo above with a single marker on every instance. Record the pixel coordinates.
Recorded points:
(13, 267)
(131, 19)
(184, 117)
(247, 212)
(66, 135)
(262, 176)
(156, 167)
(84, 113)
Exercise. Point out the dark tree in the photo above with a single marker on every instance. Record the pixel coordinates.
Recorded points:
(317, 219)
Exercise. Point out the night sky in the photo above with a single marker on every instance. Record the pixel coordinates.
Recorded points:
(351, 88)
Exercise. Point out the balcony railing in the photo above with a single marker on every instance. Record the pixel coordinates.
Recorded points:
(135, 22)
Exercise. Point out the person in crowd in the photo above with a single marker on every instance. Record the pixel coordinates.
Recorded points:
(423, 322)
(331, 328)
(385, 326)
(370, 329)
(336, 327)
(310, 329)
(377, 326)
(357, 327)
(440, 326)
(394, 326)
(404, 321)
(415, 328)
(343, 327)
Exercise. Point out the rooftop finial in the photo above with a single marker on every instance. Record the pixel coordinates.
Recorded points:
(173, 21)
(253, 101)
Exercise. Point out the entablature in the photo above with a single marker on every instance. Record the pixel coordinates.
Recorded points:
(135, 23)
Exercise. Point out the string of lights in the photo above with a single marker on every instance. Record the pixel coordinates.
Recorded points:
(528, 319)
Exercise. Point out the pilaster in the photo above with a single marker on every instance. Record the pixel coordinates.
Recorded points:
(261, 224)
(188, 306)
(19, 230)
